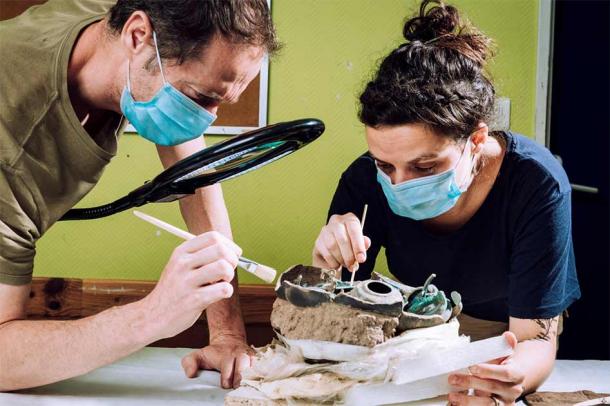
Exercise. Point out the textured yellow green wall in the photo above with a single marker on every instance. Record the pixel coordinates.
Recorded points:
(331, 49)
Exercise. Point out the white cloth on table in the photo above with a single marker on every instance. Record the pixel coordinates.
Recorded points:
(153, 376)
(570, 376)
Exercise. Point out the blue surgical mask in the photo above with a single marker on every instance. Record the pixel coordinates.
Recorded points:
(423, 198)
(169, 117)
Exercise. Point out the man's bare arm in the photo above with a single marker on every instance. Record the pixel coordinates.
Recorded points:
(227, 350)
(224, 316)
(38, 352)
(205, 211)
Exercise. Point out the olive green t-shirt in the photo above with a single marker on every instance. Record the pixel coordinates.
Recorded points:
(48, 162)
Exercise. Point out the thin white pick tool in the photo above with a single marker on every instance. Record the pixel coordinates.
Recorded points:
(261, 271)
(366, 207)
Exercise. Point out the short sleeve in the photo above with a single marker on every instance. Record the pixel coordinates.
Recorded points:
(542, 276)
(18, 231)
(355, 189)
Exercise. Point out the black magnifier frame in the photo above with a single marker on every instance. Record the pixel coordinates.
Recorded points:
(222, 161)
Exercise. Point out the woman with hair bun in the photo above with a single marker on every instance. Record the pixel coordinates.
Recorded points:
(487, 212)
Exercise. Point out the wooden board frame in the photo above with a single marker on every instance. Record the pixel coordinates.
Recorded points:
(544, 74)
(263, 94)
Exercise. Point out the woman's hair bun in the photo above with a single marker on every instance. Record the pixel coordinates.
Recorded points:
(441, 25)
(437, 78)
(428, 25)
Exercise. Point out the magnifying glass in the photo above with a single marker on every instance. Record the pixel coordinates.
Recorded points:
(217, 163)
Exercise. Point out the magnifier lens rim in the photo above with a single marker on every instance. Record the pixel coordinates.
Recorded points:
(216, 167)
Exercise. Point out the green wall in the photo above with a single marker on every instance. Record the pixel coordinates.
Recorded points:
(276, 212)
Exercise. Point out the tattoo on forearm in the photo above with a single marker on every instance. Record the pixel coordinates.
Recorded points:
(546, 330)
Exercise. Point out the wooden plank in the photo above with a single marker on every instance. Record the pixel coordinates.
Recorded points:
(100, 294)
(55, 298)
(61, 298)
(64, 299)
(256, 303)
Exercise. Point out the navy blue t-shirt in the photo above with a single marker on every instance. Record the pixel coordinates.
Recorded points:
(514, 257)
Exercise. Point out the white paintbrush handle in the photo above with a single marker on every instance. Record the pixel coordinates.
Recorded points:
(185, 235)
(263, 272)
(593, 402)
(366, 208)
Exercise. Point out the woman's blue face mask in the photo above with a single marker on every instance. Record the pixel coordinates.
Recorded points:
(427, 197)
(169, 117)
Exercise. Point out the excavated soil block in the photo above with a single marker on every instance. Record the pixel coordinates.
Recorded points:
(332, 322)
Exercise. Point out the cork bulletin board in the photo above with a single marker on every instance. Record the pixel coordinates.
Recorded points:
(247, 114)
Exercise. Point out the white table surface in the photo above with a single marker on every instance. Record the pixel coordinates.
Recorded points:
(153, 376)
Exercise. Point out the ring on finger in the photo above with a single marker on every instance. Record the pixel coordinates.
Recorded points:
(497, 402)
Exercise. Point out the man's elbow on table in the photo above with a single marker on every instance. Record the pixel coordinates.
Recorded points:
(7, 379)
(13, 300)
(7, 386)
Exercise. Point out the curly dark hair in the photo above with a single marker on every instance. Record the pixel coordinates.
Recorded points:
(436, 78)
(184, 27)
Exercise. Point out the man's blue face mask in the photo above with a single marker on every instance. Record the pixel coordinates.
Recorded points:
(169, 117)
(424, 198)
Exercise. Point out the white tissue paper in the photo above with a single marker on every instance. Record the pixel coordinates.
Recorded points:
(409, 367)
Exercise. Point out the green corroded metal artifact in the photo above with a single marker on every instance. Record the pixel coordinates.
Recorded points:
(427, 301)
